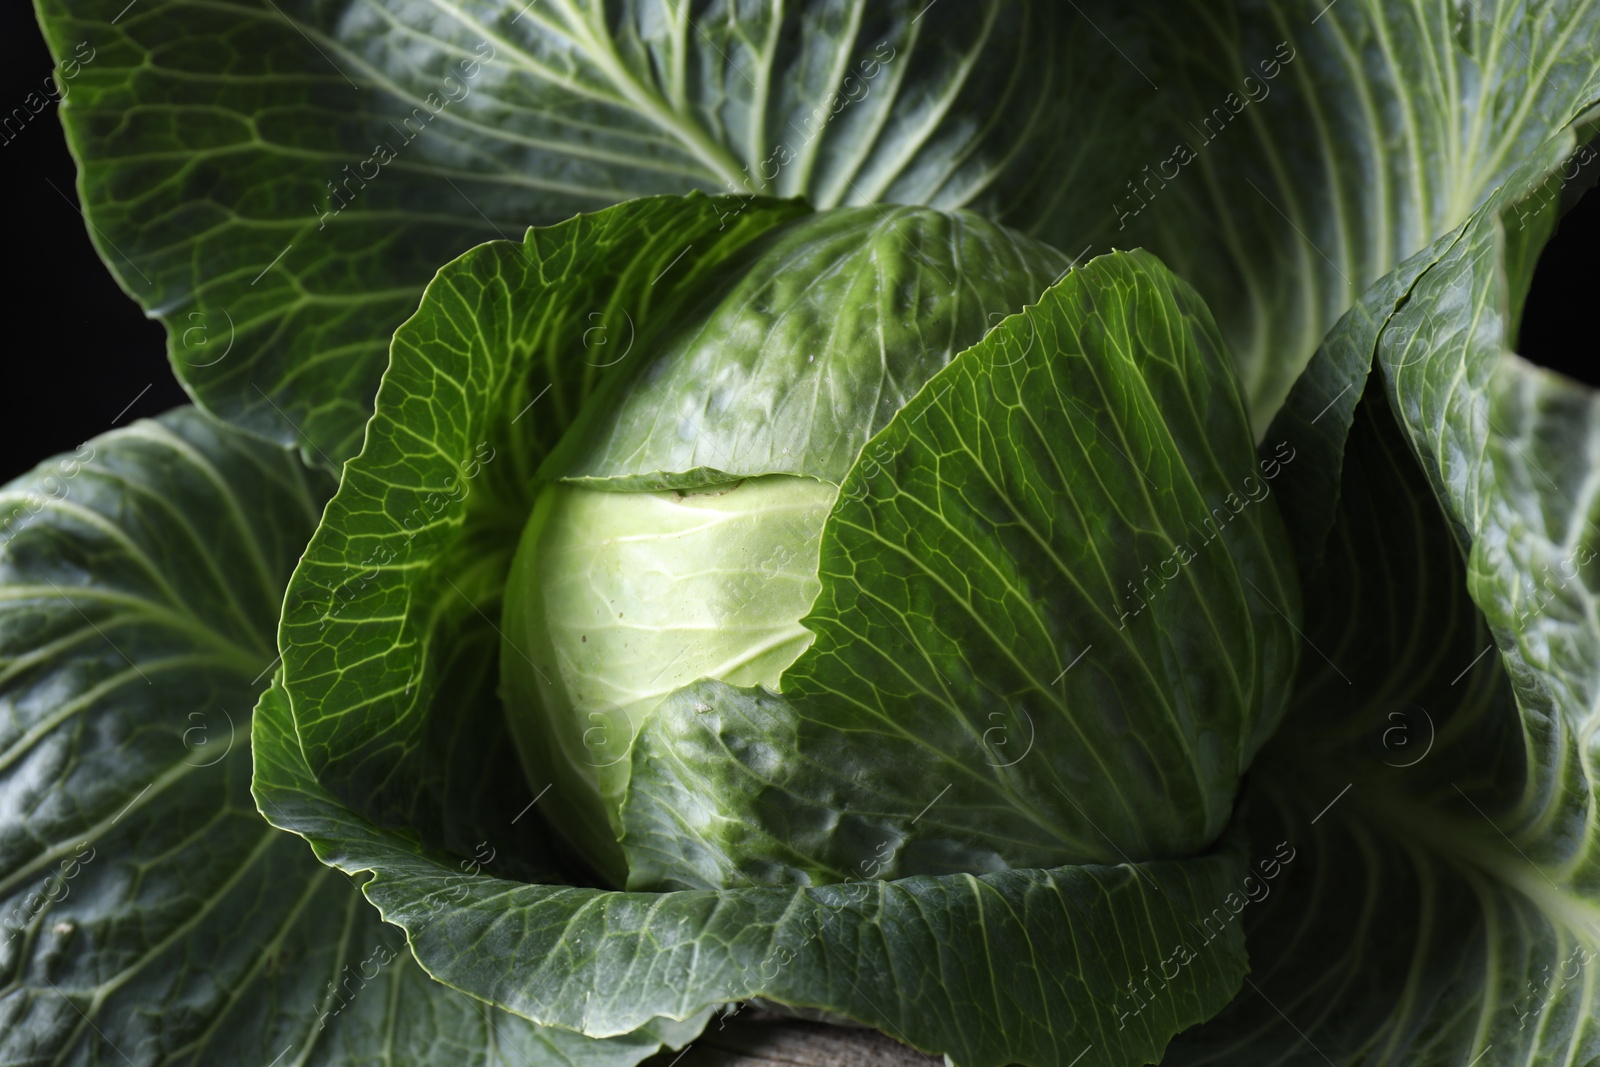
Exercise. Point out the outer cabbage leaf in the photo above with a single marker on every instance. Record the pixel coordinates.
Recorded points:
(1297, 151)
(1017, 967)
(1399, 936)
(1451, 910)
(278, 179)
(147, 913)
(1056, 622)
(1320, 409)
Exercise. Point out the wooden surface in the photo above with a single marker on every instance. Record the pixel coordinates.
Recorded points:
(754, 1039)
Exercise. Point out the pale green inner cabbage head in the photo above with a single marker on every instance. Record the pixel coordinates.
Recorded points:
(646, 592)
(625, 597)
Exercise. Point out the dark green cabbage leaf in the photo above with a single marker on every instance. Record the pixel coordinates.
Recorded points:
(277, 181)
(1435, 768)
(148, 914)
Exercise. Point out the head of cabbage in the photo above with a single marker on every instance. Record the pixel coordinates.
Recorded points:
(676, 538)
(676, 535)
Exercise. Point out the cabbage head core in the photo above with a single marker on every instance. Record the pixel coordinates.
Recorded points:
(624, 597)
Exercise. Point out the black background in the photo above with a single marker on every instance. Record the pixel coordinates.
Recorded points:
(78, 349)
(80, 357)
